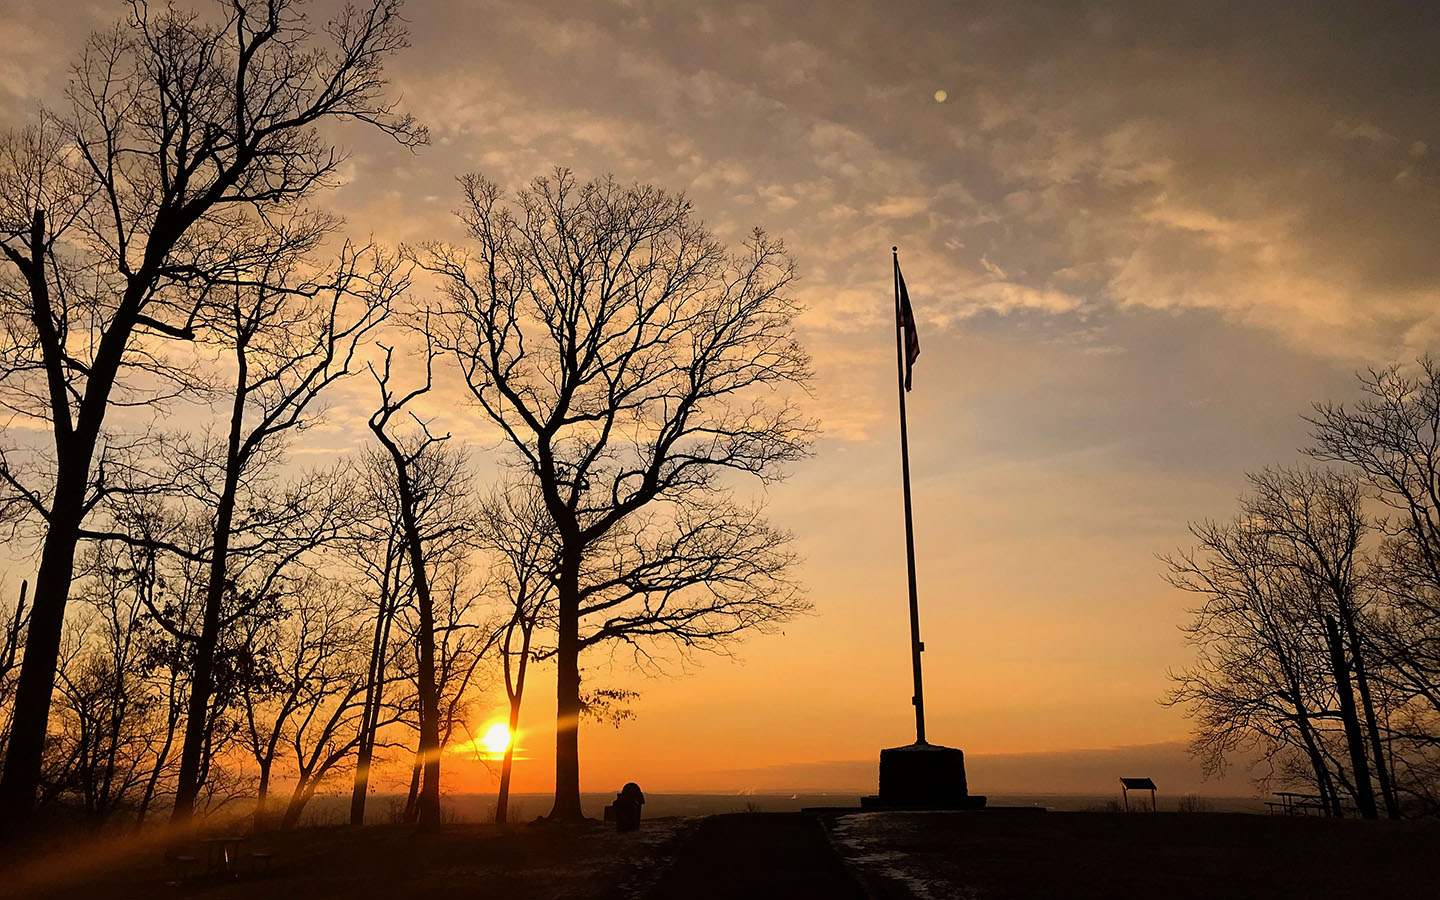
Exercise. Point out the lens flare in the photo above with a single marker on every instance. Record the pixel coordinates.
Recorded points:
(496, 739)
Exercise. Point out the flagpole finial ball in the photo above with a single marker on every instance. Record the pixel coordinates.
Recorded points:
(894, 249)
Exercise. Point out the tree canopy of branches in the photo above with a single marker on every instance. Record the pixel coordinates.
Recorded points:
(1391, 437)
(515, 529)
(637, 370)
(289, 344)
(424, 477)
(185, 146)
(1273, 582)
(1318, 634)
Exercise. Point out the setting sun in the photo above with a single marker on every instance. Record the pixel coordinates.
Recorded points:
(496, 739)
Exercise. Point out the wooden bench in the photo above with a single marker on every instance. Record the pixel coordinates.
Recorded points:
(181, 866)
(260, 861)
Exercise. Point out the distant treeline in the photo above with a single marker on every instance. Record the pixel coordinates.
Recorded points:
(1317, 631)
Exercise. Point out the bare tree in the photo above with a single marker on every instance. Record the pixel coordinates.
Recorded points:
(1272, 669)
(289, 345)
(463, 638)
(305, 712)
(12, 638)
(515, 530)
(443, 514)
(423, 473)
(1317, 518)
(632, 365)
(1391, 436)
(119, 214)
(1255, 683)
(378, 547)
(111, 732)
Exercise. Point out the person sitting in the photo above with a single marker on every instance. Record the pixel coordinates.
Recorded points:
(626, 808)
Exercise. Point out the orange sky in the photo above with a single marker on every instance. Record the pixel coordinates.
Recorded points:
(1140, 240)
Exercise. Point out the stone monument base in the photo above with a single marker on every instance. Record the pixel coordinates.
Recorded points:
(922, 776)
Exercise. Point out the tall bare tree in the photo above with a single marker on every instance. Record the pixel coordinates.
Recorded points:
(378, 547)
(1272, 670)
(289, 343)
(1391, 436)
(116, 217)
(424, 473)
(515, 531)
(632, 364)
(443, 515)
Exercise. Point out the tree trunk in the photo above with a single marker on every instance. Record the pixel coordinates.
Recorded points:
(502, 800)
(1323, 784)
(74, 453)
(412, 799)
(262, 794)
(429, 810)
(304, 790)
(172, 717)
(203, 679)
(31, 715)
(517, 696)
(365, 748)
(1364, 796)
(567, 695)
(1377, 746)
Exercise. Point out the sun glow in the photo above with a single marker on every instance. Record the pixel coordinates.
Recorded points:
(495, 739)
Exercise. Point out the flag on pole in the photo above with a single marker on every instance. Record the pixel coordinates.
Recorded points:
(907, 322)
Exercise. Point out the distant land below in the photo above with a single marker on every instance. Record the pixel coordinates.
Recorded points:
(1066, 780)
(1063, 772)
(333, 809)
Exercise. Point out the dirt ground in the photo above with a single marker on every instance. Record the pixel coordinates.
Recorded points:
(524, 862)
(926, 856)
(1174, 856)
(758, 856)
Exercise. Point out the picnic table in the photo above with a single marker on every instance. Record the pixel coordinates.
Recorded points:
(1292, 803)
(222, 854)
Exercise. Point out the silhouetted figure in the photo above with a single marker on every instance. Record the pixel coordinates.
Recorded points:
(625, 811)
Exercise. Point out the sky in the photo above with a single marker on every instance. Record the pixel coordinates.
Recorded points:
(1141, 238)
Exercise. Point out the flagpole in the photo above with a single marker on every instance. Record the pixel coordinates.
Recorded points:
(915, 645)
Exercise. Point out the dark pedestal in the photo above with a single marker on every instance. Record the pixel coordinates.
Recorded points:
(922, 776)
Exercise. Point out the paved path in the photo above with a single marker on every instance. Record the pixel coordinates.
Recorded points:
(757, 856)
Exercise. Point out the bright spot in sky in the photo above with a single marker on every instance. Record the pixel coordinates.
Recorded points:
(496, 739)
(940, 96)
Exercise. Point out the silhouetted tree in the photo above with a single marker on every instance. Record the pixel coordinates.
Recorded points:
(305, 711)
(423, 472)
(1391, 437)
(1272, 670)
(1317, 519)
(289, 343)
(515, 530)
(463, 635)
(12, 638)
(119, 214)
(378, 547)
(632, 364)
(113, 730)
